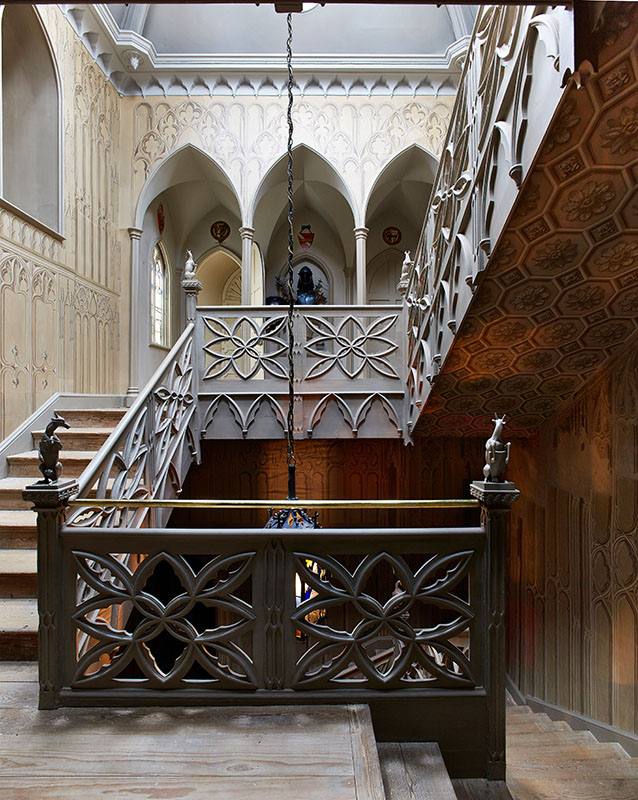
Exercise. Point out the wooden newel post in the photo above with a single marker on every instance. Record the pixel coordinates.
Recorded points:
(495, 499)
(50, 503)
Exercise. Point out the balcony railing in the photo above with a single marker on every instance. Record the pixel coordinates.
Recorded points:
(347, 359)
(409, 621)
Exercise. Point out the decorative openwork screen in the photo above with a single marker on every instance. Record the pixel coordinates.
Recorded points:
(205, 611)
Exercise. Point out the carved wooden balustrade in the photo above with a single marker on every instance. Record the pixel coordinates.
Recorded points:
(509, 89)
(349, 371)
(149, 453)
(410, 621)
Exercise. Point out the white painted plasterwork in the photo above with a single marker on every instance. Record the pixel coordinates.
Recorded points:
(358, 137)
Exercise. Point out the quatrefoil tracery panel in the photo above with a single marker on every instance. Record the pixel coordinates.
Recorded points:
(163, 623)
(244, 346)
(384, 624)
(351, 346)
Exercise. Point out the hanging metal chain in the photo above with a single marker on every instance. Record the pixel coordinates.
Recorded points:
(291, 302)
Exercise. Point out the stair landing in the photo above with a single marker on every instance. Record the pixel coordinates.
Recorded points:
(276, 753)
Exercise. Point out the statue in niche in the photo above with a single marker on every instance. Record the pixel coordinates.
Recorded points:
(49, 449)
(497, 452)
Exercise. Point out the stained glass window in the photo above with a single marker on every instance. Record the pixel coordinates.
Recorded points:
(159, 297)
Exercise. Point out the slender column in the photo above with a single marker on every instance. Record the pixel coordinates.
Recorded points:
(247, 235)
(50, 502)
(495, 499)
(135, 235)
(361, 240)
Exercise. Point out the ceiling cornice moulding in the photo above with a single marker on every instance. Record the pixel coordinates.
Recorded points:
(134, 67)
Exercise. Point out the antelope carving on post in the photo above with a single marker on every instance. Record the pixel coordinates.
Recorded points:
(497, 452)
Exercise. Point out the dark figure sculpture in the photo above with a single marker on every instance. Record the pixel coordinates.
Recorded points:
(49, 449)
(497, 452)
(305, 287)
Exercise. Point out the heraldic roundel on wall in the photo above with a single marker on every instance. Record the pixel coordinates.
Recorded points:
(392, 235)
(220, 230)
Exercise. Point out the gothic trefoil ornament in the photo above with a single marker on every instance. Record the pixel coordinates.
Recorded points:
(49, 450)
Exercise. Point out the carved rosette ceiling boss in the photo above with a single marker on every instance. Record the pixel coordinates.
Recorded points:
(559, 294)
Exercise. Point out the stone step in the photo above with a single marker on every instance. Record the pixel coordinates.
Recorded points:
(74, 462)
(18, 629)
(18, 573)
(79, 439)
(18, 529)
(92, 417)
(11, 493)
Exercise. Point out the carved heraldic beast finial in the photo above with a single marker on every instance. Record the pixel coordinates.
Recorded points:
(49, 449)
(497, 452)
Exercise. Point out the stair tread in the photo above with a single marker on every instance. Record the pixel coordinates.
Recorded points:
(18, 518)
(18, 561)
(63, 433)
(18, 615)
(78, 455)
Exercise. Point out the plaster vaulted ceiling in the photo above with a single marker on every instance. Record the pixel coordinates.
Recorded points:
(191, 29)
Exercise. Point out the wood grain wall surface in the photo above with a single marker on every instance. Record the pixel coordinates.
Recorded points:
(366, 469)
(573, 556)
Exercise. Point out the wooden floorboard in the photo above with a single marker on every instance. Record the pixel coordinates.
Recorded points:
(299, 753)
(276, 753)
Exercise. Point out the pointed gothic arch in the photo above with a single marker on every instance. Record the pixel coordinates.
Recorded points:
(31, 117)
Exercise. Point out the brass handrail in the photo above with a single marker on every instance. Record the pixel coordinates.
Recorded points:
(239, 504)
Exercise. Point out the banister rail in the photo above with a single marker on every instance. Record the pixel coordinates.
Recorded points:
(148, 453)
(495, 132)
(239, 504)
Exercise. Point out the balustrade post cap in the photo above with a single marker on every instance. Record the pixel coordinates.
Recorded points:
(50, 495)
(494, 494)
(191, 285)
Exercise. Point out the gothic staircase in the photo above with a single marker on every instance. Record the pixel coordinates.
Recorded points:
(18, 536)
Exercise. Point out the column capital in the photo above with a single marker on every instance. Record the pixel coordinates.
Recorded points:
(246, 233)
(494, 495)
(50, 495)
(361, 232)
(135, 233)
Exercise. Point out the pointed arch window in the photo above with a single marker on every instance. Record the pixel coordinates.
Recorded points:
(160, 295)
(30, 130)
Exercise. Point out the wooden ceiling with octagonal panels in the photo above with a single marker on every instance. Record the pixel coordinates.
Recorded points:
(559, 295)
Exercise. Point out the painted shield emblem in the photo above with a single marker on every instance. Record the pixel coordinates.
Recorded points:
(220, 230)
(306, 237)
(392, 235)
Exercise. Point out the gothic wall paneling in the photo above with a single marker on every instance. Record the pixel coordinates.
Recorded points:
(56, 334)
(573, 562)
(59, 296)
(367, 469)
